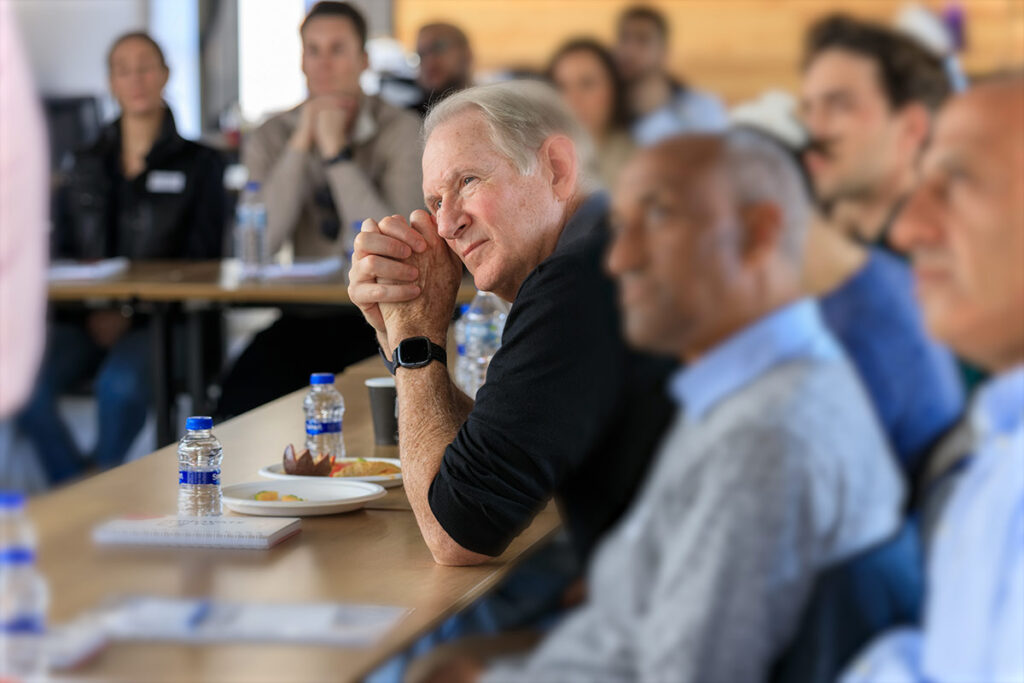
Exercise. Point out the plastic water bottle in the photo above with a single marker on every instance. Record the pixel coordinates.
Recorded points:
(199, 460)
(485, 321)
(24, 596)
(325, 411)
(251, 232)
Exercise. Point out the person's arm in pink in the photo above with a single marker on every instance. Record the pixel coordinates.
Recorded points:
(23, 222)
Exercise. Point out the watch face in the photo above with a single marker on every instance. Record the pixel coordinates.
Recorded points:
(414, 352)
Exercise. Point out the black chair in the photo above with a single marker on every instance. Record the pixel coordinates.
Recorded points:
(878, 589)
(71, 122)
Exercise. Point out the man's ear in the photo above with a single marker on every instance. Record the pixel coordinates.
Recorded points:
(558, 161)
(762, 230)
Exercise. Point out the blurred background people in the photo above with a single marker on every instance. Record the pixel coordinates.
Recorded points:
(23, 224)
(446, 63)
(585, 74)
(866, 298)
(868, 95)
(140, 191)
(964, 230)
(661, 106)
(324, 167)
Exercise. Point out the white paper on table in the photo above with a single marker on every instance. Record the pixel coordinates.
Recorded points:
(87, 270)
(301, 270)
(197, 620)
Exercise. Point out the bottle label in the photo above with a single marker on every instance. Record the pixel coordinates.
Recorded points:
(201, 478)
(24, 624)
(314, 427)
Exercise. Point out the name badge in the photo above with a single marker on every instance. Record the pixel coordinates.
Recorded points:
(165, 182)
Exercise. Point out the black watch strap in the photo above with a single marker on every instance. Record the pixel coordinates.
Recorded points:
(414, 352)
(390, 365)
(344, 155)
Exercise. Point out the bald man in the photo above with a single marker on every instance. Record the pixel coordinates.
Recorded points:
(775, 465)
(964, 230)
(446, 63)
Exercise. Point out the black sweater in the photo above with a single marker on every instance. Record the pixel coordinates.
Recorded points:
(567, 409)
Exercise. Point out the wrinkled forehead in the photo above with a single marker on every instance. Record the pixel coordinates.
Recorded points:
(691, 169)
(463, 141)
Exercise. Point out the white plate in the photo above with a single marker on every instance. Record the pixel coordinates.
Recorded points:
(319, 498)
(276, 471)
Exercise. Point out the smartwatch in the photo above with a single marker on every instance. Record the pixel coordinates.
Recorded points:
(344, 155)
(415, 352)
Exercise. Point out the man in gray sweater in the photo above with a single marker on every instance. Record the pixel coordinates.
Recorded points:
(324, 167)
(775, 466)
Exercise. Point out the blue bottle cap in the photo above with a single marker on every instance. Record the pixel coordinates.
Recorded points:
(252, 186)
(321, 378)
(199, 422)
(12, 500)
(16, 555)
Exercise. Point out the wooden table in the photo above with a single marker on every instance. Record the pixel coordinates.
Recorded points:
(161, 285)
(374, 556)
(211, 282)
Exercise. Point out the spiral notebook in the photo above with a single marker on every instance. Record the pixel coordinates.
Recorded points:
(255, 533)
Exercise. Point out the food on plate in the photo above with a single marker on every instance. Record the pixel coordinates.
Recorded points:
(272, 496)
(364, 468)
(306, 465)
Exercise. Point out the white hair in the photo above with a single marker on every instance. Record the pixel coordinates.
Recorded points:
(521, 115)
(763, 170)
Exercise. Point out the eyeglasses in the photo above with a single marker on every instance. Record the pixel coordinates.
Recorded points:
(435, 49)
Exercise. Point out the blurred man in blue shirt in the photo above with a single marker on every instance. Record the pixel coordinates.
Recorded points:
(660, 105)
(964, 230)
(867, 101)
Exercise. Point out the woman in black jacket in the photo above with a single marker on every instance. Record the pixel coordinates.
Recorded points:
(143, 192)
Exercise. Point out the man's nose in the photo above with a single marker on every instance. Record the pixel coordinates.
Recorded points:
(920, 222)
(452, 220)
(814, 120)
(624, 252)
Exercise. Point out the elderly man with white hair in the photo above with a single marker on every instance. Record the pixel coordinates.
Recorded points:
(775, 466)
(567, 409)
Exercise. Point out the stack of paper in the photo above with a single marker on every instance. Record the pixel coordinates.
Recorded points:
(303, 270)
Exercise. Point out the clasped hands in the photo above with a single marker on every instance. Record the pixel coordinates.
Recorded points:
(325, 122)
(404, 279)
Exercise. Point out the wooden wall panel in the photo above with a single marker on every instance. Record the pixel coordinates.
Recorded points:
(735, 47)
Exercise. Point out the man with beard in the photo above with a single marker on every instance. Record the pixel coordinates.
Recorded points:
(446, 63)
(867, 100)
